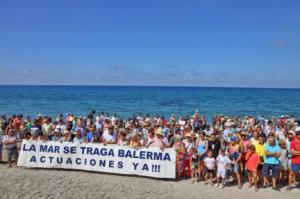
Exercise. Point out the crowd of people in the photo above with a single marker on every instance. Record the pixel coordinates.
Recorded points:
(264, 151)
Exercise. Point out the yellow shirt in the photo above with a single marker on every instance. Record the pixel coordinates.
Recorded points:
(260, 149)
(253, 141)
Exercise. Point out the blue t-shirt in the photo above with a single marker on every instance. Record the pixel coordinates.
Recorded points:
(272, 149)
(89, 136)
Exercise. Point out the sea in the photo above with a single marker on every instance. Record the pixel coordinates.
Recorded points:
(164, 101)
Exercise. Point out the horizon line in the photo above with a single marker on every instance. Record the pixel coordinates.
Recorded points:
(174, 86)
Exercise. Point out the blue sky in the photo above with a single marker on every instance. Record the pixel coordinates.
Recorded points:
(241, 43)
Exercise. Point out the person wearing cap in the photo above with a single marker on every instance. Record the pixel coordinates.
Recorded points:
(295, 160)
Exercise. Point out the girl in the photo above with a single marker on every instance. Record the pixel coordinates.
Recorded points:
(209, 162)
(252, 162)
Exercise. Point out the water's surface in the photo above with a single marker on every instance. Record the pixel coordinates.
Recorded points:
(51, 100)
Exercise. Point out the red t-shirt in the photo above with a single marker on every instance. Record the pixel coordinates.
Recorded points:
(252, 162)
(295, 145)
(17, 123)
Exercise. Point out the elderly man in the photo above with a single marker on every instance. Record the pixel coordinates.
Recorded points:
(272, 152)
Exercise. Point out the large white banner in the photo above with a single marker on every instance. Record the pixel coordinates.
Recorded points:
(152, 162)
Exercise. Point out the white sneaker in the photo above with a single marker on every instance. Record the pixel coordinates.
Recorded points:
(221, 186)
(216, 185)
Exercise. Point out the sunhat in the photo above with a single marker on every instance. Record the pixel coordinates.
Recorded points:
(159, 131)
(188, 135)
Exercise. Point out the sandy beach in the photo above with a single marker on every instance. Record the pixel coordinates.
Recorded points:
(41, 183)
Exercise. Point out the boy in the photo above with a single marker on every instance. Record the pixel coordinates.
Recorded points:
(222, 162)
(210, 163)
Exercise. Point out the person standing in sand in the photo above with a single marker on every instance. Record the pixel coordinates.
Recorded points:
(272, 152)
(295, 160)
(10, 142)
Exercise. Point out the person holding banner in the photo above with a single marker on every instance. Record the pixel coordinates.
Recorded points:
(78, 137)
(66, 137)
(159, 140)
(10, 142)
(110, 136)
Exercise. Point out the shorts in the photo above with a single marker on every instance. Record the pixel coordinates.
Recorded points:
(202, 157)
(209, 170)
(295, 168)
(283, 165)
(221, 173)
(273, 167)
(13, 152)
(194, 165)
(235, 168)
(260, 167)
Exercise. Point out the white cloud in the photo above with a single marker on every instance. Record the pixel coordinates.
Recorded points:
(280, 43)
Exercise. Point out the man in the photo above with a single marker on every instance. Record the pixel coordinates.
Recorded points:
(10, 142)
(110, 136)
(272, 151)
(295, 160)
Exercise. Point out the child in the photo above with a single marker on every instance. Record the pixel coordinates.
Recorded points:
(210, 163)
(283, 161)
(252, 162)
(222, 162)
(194, 164)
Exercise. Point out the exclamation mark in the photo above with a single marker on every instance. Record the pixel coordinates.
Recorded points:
(153, 168)
(158, 168)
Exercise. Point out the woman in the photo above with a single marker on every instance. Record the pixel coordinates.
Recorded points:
(202, 147)
(235, 156)
(78, 137)
(66, 137)
(180, 156)
(159, 140)
(10, 142)
(189, 145)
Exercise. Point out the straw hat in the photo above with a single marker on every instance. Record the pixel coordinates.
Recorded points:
(159, 131)
(188, 135)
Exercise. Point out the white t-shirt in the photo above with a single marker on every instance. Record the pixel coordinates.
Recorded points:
(210, 162)
(108, 137)
(7, 138)
(223, 161)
